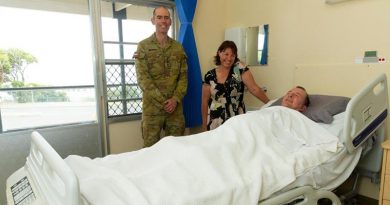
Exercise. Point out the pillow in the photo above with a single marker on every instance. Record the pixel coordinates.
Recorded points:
(322, 107)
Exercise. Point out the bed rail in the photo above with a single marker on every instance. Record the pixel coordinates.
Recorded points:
(51, 174)
(367, 110)
(302, 195)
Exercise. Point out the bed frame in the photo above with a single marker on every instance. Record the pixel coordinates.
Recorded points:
(46, 178)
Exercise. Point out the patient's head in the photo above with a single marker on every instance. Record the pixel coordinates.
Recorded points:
(297, 99)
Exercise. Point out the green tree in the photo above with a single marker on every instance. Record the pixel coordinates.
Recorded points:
(13, 64)
(5, 66)
(19, 61)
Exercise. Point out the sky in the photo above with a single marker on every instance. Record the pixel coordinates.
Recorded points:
(61, 42)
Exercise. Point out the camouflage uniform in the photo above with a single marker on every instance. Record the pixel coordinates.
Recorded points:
(161, 74)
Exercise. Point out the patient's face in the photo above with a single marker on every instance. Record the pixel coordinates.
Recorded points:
(295, 99)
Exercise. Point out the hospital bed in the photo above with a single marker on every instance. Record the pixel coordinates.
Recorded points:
(48, 179)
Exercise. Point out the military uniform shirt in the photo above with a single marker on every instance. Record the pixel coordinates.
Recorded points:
(161, 74)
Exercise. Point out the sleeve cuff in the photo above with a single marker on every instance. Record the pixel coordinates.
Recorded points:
(177, 99)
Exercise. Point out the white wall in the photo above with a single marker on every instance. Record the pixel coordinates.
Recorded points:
(125, 136)
(312, 32)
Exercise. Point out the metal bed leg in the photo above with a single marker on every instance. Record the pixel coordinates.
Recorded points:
(348, 198)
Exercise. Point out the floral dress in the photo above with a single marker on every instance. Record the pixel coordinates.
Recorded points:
(227, 99)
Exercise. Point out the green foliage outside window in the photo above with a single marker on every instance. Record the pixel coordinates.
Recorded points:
(13, 64)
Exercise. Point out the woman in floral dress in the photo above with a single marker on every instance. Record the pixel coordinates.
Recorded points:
(223, 88)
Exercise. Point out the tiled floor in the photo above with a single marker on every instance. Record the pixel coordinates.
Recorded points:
(362, 200)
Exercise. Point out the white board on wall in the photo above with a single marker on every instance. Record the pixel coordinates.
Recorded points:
(238, 35)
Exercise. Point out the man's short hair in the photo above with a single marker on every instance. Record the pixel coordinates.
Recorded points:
(307, 100)
(154, 10)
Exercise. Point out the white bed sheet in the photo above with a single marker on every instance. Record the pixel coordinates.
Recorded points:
(261, 152)
(336, 170)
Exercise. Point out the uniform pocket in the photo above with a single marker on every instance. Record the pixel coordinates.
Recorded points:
(173, 64)
(155, 65)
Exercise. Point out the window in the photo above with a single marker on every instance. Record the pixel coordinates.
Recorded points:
(46, 64)
(260, 45)
(46, 68)
(122, 29)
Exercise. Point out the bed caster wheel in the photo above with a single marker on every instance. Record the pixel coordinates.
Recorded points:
(352, 201)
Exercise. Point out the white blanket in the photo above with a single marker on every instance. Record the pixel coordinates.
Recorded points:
(251, 155)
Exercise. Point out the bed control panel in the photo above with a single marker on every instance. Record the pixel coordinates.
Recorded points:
(365, 133)
(22, 192)
(21, 189)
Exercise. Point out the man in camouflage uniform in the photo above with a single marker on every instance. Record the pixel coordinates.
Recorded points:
(162, 75)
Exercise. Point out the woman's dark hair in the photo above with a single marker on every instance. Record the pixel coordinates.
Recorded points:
(224, 46)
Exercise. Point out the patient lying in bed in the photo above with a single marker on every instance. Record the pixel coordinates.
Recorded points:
(245, 160)
(296, 98)
(319, 108)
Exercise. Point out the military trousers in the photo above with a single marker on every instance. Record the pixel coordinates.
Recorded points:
(152, 125)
